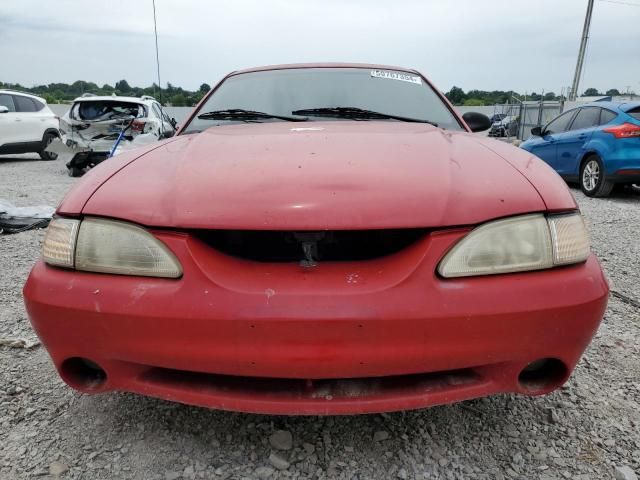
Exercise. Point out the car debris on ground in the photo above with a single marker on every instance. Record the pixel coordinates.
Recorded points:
(19, 219)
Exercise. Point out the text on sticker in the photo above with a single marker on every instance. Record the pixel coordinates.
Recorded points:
(404, 77)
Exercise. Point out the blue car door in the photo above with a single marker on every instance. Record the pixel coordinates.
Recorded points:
(570, 144)
(545, 146)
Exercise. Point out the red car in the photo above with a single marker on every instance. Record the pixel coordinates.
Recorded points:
(319, 239)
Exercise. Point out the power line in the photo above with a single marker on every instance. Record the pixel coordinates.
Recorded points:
(155, 30)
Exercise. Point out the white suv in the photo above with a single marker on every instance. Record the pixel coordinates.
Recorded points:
(26, 124)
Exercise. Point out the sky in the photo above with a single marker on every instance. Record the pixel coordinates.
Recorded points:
(521, 45)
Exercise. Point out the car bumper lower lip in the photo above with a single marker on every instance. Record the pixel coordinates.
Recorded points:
(625, 175)
(398, 348)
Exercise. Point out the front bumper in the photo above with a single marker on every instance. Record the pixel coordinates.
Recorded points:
(340, 338)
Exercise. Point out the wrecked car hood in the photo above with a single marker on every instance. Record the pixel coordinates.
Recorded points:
(316, 176)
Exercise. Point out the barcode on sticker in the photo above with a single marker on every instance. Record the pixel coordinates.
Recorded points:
(404, 77)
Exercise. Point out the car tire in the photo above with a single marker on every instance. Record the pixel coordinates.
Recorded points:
(47, 138)
(593, 181)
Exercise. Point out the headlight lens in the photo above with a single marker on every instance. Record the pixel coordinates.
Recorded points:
(570, 239)
(60, 242)
(529, 242)
(110, 246)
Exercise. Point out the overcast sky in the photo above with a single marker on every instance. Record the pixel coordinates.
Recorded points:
(490, 44)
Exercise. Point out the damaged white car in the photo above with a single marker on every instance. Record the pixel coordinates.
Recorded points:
(96, 128)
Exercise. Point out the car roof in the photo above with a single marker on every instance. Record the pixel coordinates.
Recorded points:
(325, 65)
(623, 106)
(24, 94)
(102, 98)
(626, 106)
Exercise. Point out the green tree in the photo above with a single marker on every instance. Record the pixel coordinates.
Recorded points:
(613, 92)
(178, 100)
(50, 98)
(79, 87)
(204, 88)
(171, 90)
(591, 92)
(122, 86)
(456, 95)
(549, 96)
(473, 102)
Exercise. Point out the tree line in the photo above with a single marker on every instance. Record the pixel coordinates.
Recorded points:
(476, 98)
(179, 97)
(65, 93)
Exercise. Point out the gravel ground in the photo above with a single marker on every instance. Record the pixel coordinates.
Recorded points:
(586, 430)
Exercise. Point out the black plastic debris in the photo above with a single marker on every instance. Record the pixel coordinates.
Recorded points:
(20, 219)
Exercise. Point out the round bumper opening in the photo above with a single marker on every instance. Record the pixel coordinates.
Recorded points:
(83, 374)
(543, 375)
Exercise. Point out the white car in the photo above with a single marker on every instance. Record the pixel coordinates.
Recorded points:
(27, 124)
(96, 128)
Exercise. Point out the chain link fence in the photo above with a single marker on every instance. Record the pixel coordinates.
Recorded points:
(515, 120)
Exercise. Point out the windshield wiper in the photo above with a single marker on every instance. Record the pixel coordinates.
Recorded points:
(241, 114)
(355, 112)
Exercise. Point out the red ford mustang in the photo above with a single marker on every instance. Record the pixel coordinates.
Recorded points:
(319, 239)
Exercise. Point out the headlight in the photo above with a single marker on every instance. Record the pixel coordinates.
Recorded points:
(108, 246)
(528, 242)
(60, 242)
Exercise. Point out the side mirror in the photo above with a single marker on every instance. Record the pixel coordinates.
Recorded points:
(3, 109)
(477, 122)
(537, 131)
(173, 122)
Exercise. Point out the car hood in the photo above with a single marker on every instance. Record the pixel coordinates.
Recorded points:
(316, 176)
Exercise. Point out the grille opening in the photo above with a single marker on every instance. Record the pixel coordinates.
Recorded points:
(310, 246)
(307, 389)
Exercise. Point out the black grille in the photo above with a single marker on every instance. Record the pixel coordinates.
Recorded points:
(309, 247)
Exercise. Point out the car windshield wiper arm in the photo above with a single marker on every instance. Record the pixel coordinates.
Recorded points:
(241, 114)
(355, 112)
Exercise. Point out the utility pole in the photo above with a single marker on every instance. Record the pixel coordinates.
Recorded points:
(583, 48)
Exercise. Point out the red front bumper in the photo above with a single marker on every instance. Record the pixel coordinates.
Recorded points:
(341, 338)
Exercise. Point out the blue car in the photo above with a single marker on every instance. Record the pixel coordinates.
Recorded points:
(597, 145)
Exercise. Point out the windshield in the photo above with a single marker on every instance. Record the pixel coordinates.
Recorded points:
(282, 92)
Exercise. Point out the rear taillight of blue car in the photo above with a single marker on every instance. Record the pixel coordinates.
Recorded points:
(626, 130)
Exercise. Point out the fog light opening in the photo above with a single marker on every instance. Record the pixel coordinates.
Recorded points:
(543, 375)
(83, 374)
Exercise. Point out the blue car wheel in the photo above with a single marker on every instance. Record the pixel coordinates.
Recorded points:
(593, 181)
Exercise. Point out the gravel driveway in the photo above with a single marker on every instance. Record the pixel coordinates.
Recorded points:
(587, 430)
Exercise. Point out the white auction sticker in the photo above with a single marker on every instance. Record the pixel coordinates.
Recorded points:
(405, 77)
